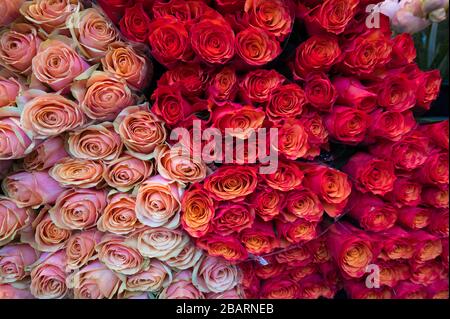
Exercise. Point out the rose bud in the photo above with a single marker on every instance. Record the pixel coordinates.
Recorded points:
(231, 182)
(259, 239)
(414, 217)
(94, 281)
(12, 219)
(78, 208)
(126, 62)
(409, 290)
(197, 211)
(354, 94)
(298, 231)
(92, 32)
(371, 174)
(48, 276)
(159, 242)
(212, 274)
(9, 89)
(320, 92)
(438, 132)
(439, 222)
(118, 256)
(134, 24)
(267, 202)
(347, 125)
(119, 216)
(95, 142)
(80, 248)
(317, 54)
(396, 243)
(280, 287)
(427, 246)
(428, 86)
(405, 193)
(396, 93)
(158, 202)
(286, 101)
(77, 172)
(288, 176)
(390, 125)
(233, 218)
(331, 186)
(427, 273)
(228, 247)
(257, 86)
(351, 249)
(292, 139)
(302, 203)
(187, 258)
(57, 63)
(153, 277)
(14, 262)
(15, 141)
(435, 197)
(256, 46)
(319, 250)
(438, 290)
(403, 50)
(295, 256)
(435, 169)
(15, 290)
(213, 40)
(169, 41)
(181, 287)
(223, 85)
(10, 10)
(49, 114)
(45, 155)
(359, 290)
(31, 189)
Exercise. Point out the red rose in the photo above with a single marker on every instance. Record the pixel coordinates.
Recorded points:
(259, 239)
(439, 222)
(304, 204)
(390, 125)
(317, 133)
(435, 196)
(256, 46)
(135, 23)
(396, 93)
(352, 93)
(396, 243)
(230, 5)
(315, 286)
(428, 85)
(408, 290)
(287, 101)
(280, 288)
(435, 169)
(403, 50)
(347, 125)
(288, 176)
(223, 85)
(191, 78)
(228, 247)
(319, 92)
(295, 256)
(267, 202)
(257, 86)
(115, 8)
(406, 192)
(298, 231)
(292, 139)
(359, 290)
(438, 133)
(427, 246)
(371, 174)
(272, 269)
(182, 10)
(233, 218)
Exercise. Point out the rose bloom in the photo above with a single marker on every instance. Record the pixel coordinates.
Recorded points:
(286, 101)
(223, 85)
(297, 231)
(80, 248)
(396, 93)
(10, 9)
(409, 290)
(288, 176)
(212, 274)
(301, 272)
(228, 247)
(15, 142)
(396, 243)
(304, 204)
(186, 12)
(126, 172)
(428, 86)
(153, 277)
(49, 114)
(427, 246)
(358, 290)
(9, 90)
(119, 216)
(15, 290)
(320, 92)
(315, 287)
(427, 273)
(213, 40)
(317, 54)
(128, 63)
(134, 24)
(414, 217)
(197, 211)
(403, 50)
(319, 250)
(18, 46)
(95, 142)
(77, 172)
(259, 239)
(12, 220)
(181, 287)
(292, 139)
(158, 202)
(438, 290)
(390, 125)
(48, 276)
(93, 32)
(31, 189)
(351, 92)
(406, 192)
(233, 217)
(169, 41)
(347, 125)
(57, 63)
(140, 130)
(256, 46)
(391, 272)
(272, 269)
(439, 222)
(14, 261)
(295, 256)
(47, 154)
(49, 15)
(231, 182)
(438, 132)
(371, 174)
(115, 8)
(257, 86)
(435, 169)
(267, 202)
(187, 258)
(78, 208)
(94, 281)
(436, 196)
(118, 256)
(192, 79)
(280, 287)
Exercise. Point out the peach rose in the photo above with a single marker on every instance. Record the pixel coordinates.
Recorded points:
(10, 11)
(12, 220)
(102, 96)
(158, 202)
(186, 259)
(17, 290)
(45, 155)
(78, 208)
(94, 281)
(49, 114)
(31, 189)
(14, 141)
(119, 216)
(198, 210)
(140, 130)
(48, 276)
(77, 172)
(174, 164)
(181, 288)
(126, 172)
(57, 63)
(14, 261)
(48, 14)
(159, 242)
(213, 274)
(92, 32)
(9, 89)
(118, 256)
(80, 248)
(126, 62)
(153, 277)
(95, 142)
(18, 46)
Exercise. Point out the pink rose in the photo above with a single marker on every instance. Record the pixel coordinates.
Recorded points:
(10, 11)
(14, 261)
(187, 258)
(15, 291)
(12, 220)
(45, 155)
(80, 248)
(76, 172)
(153, 277)
(352, 93)
(48, 276)
(14, 141)
(9, 90)
(215, 275)
(181, 288)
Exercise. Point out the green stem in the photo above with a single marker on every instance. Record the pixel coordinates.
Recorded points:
(432, 44)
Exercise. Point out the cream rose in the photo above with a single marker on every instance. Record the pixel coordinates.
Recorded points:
(119, 216)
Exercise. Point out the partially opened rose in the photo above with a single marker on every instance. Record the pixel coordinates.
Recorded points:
(390, 124)
(293, 139)
(257, 47)
(259, 239)
(414, 217)
(358, 290)
(153, 277)
(191, 77)
(435, 169)
(267, 201)
(223, 84)
(9, 90)
(197, 211)
(76, 172)
(257, 86)
(286, 101)
(409, 290)
(300, 230)
(187, 258)
(80, 248)
(397, 243)
(45, 155)
(406, 192)
(436, 196)
(228, 247)
(347, 125)
(12, 219)
(119, 216)
(233, 218)
(427, 246)
(304, 204)
(288, 176)
(181, 288)
(212, 274)
(48, 276)
(352, 92)
(14, 262)
(14, 141)
(280, 287)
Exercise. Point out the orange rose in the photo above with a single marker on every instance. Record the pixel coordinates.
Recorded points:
(197, 211)
(80, 248)
(288, 176)
(77, 172)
